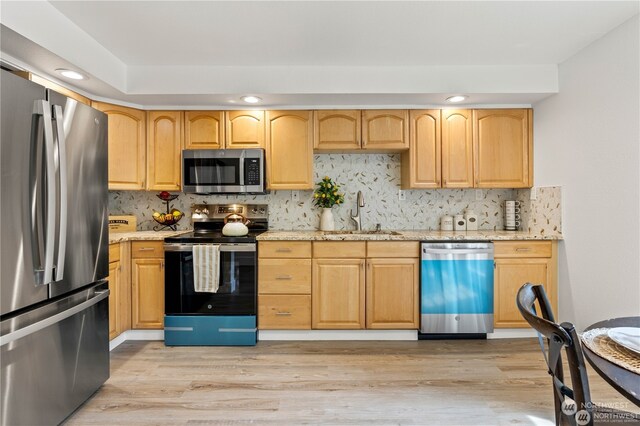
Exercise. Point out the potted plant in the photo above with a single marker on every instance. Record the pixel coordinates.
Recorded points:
(326, 196)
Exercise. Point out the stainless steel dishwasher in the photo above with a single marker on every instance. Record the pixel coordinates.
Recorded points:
(456, 280)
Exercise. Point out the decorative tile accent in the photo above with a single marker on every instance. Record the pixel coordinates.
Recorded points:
(376, 175)
(544, 214)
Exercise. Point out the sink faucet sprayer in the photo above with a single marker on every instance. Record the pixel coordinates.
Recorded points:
(357, 218)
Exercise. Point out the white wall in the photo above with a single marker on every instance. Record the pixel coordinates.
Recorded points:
(587, 139)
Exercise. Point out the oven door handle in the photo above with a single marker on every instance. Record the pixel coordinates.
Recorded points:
(223, 247)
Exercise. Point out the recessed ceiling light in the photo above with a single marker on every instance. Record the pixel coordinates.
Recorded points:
(71, 74)
(251, 99)
(456, 98)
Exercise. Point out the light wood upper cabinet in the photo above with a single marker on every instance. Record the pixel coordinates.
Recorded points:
(338, 294)
(392, 293)
(517, 263)
(203, 129)
(457, 149)
(503, 148)
(148, 293)
(337, 130)
(385, 129)
(421, 163)
(164, 150)
(289, 148)
(127, 146)
(245, 129)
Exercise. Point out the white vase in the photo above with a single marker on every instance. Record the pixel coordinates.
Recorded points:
(326, 220)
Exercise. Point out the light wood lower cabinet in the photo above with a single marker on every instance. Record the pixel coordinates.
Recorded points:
(120, 289)
(284, 285)
(392, 293)
(338, 294)
(147, 285)
(517, 263)
(114, 299)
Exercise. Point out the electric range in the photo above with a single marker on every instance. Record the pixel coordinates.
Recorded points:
(224, 314)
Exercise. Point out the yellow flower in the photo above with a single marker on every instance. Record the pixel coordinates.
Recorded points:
(323, 196)
(315, 195)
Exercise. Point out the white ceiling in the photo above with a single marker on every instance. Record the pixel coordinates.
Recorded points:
(320, 53)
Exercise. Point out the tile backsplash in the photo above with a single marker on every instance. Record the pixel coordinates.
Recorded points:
(376, 175)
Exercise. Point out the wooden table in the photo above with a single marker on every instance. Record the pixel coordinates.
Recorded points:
(624, 381)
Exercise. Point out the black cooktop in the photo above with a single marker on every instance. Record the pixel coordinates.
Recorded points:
(212, 237)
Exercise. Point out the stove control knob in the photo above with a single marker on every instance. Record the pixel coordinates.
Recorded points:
(262, 210)
(254, 210)
(196, 211)
(205, 211)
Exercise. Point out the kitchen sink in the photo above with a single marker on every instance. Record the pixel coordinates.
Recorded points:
(361, 233)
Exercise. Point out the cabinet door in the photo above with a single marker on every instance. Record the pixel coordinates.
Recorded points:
(203, 129)
(392, 293)
(385, 129)
(148, 293)
(245, 129)
(337, 130)
(289, 143)
(338, 294)
(510, 275)
(164, 150)
(503, 150)
(127, 146)
(457, 149)
(421, 163)
(114, 299)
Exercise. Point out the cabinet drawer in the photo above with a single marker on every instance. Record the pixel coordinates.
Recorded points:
(522, 249)
(284, 249)
(403, 249)
(288, 276)
(284, 312)
(339, 249)
(147, 249)
(114, 252)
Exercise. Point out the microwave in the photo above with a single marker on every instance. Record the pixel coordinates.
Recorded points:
(223, 171)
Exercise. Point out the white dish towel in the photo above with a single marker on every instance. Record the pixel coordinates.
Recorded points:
(206, 268)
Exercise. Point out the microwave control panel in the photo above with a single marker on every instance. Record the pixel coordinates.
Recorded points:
(252, 171)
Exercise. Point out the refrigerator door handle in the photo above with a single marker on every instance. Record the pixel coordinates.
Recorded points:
(62, 179)
(45, 276)
(37, 326)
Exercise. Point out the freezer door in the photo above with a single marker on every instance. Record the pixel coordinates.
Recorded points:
(54, 358)
(80, 135)
(23, 193)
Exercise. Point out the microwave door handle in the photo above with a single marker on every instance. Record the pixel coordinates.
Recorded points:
(45, 275)
(241, 177)
(62, 176)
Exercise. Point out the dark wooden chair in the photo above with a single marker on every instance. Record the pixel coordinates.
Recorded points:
(564, 336)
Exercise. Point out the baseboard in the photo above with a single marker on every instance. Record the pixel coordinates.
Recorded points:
(512, 333)
(136, 335)
(337, 335)
(503, 333)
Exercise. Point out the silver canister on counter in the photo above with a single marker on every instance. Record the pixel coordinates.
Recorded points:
(472, 220)
(512, 215)
(446, 223)
(459, 223)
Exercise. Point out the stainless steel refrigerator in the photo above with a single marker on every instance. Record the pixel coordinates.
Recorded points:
(54, 337)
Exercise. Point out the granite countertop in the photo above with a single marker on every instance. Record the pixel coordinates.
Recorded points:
(412, 235)
(118, 237)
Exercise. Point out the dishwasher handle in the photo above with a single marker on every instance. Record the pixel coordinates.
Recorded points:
(456, 252)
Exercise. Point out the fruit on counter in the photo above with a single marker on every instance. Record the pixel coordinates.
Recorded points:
(156, 215)
(168, 217)
(165, 195)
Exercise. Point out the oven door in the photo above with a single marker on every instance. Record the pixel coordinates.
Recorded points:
(237, 277)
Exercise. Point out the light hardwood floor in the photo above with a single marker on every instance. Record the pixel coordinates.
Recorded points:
(468, 382)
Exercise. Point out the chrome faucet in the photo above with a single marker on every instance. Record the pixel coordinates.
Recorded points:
(357, 218)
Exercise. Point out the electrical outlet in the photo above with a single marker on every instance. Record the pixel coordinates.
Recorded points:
(533, 195)
(479, 195)
(295, 196)
(401, 195)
